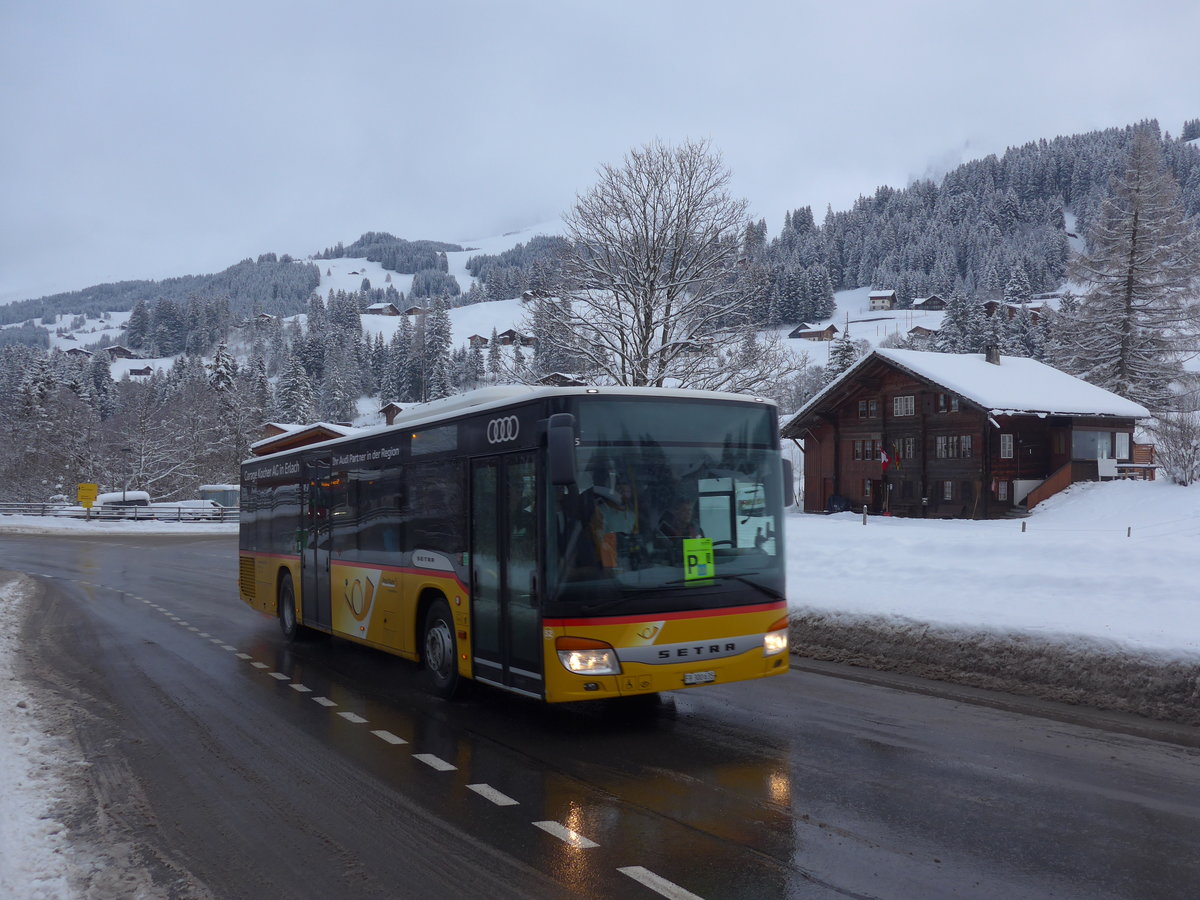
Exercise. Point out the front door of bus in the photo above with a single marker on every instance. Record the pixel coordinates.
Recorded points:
(505, 608)
(318, 513)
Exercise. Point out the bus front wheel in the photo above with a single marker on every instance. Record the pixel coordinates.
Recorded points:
(288, 623)
(441, 651)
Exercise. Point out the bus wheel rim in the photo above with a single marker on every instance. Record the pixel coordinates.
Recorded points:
(438, 649)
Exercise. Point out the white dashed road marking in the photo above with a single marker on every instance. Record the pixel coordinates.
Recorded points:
(566, 835)
(489, 792)
(260, 665)
(389, 737)
(280, 676)
(302, 688)
(657, 883)
(435, 762)
(352, 717)
(324, 701)
(243, 656)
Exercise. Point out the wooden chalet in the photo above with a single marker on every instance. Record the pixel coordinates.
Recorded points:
(562, 379)
(416, 311)
(922, 331)
(910, 433)
(1010, 310)
(116, 351)
(932, 302)
(511, 336)
(477, 340)
(382, 309)
(881, 300)
(79, 352)
(807, 333)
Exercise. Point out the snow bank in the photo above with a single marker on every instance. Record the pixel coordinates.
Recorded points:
(33, 843)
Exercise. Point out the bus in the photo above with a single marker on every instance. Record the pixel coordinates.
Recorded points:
(560, 543)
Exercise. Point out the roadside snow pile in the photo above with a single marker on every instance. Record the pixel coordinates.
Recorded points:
(66, 525)
(1095, 602)
(33, 844)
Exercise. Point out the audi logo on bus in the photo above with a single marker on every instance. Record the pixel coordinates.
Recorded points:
(500, 431)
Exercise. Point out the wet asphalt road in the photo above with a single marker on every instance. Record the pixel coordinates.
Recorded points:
(237, 766)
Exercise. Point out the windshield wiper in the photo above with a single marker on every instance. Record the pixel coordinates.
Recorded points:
(739, 578)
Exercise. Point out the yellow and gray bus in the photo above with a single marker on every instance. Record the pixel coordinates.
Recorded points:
(560, 543)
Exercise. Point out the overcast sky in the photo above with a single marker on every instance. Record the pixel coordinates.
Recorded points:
(149, 139)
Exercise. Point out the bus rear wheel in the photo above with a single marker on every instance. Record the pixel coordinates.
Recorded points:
(288, 623)
(440, 651)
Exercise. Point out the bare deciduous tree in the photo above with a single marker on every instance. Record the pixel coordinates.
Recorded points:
(652, 279)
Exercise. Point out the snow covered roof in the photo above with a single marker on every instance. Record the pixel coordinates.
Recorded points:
(1016, 386)
(295, 433)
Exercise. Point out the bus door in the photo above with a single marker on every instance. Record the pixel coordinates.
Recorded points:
(314, 560)
(505, 604)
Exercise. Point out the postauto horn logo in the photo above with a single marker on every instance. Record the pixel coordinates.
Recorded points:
(500, 431)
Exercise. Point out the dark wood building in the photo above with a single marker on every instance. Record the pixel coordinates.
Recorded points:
(956, 435)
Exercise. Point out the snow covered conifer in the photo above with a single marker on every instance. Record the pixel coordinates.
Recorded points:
(1142, 268)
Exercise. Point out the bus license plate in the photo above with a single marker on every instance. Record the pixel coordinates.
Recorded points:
(699, 677)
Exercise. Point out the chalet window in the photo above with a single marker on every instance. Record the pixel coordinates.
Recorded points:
(1123, 446)
(1002, 490)
(947, 403)
(1092, 445)
(866, 488)
(947, 490)
(904, 406)
(862, 409)
(910, 447)
(950, 446)
(868, 409)
(1006, 446)
(858, 449)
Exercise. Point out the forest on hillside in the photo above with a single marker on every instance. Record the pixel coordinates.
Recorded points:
(992, 230)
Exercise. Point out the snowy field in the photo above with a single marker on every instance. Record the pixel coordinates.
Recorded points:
(1114, 564)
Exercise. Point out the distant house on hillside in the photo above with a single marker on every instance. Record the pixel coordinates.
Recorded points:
(948, 435)
(881, 300)
(382, 309)
(144, 370)
(535, 294)
(477, 340)
(1010, 310)
(562, 379)
(416, 311)
(116, 351)
(921, 331)
(512, 336)
(79, 352)
(932, 302)
(808, 333)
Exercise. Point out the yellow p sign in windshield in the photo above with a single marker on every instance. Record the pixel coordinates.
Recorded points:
(697, 559)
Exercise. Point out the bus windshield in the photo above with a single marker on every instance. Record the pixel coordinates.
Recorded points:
(675, 507)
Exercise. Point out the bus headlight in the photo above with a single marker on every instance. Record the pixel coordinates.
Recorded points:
(585, 656)
(775, 641)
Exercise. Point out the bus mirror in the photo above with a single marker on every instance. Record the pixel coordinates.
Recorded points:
(789, 486)
(560, 449)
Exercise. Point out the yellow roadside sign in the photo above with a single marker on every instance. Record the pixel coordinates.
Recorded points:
(86, 494)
